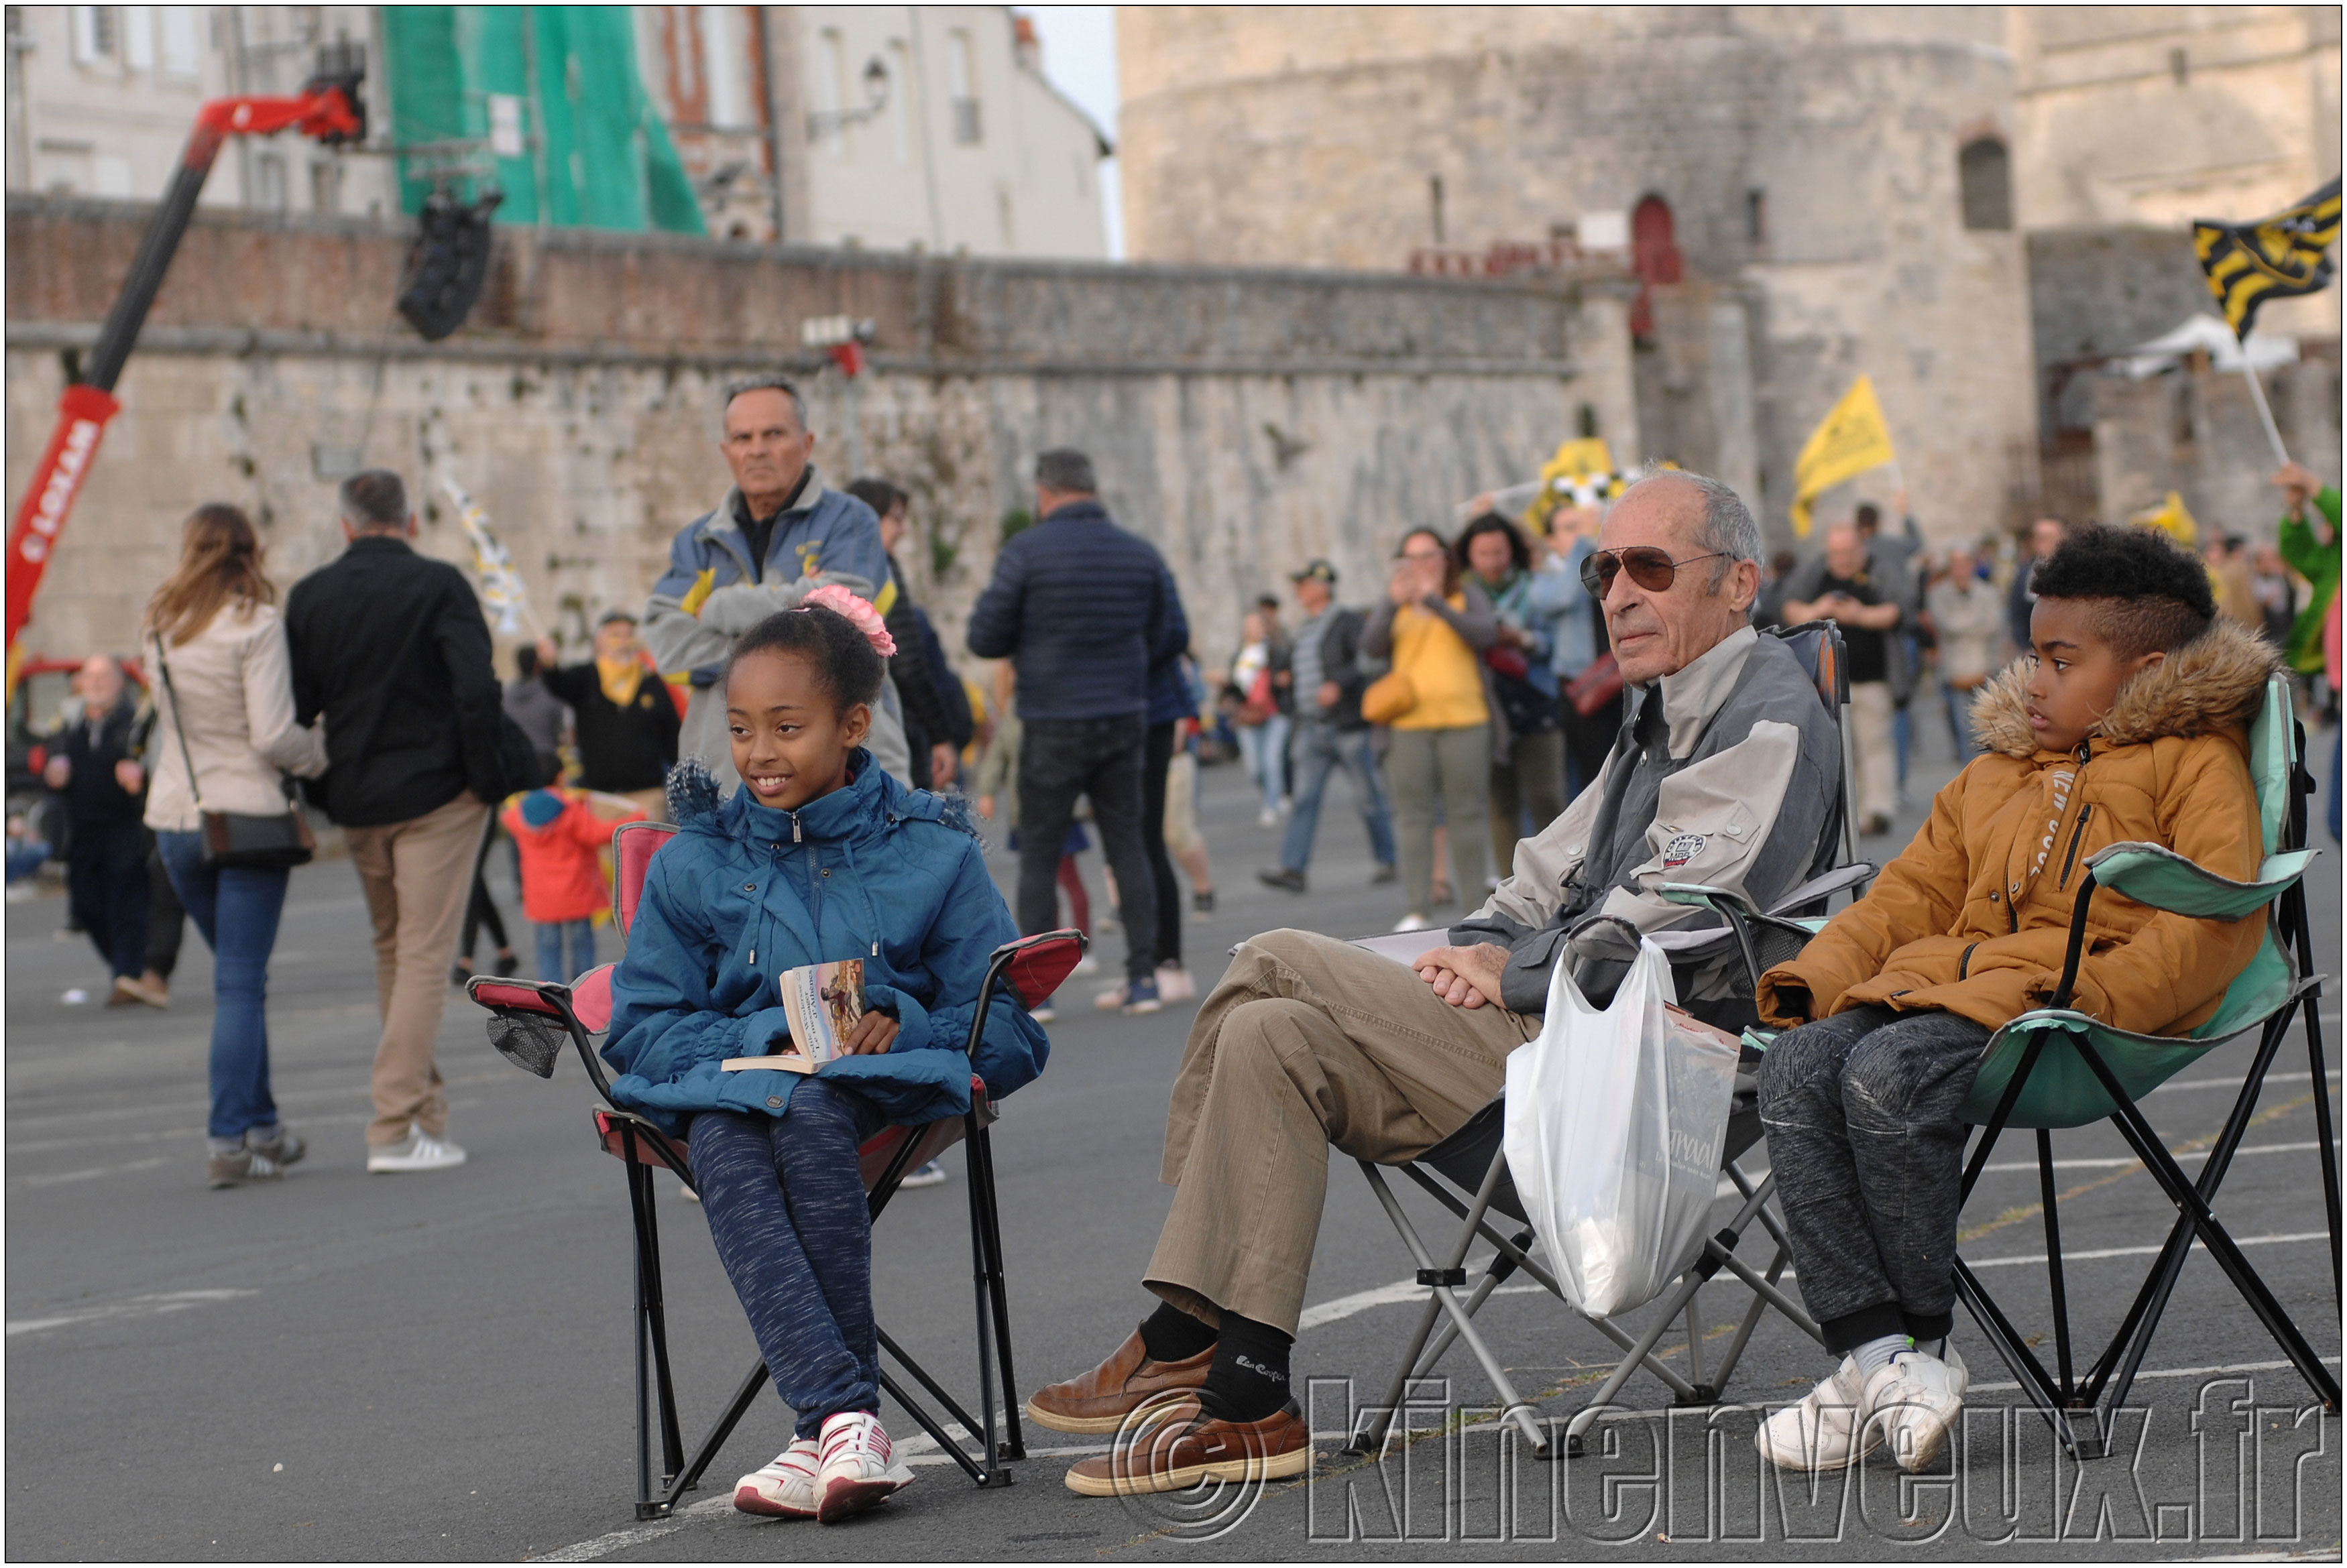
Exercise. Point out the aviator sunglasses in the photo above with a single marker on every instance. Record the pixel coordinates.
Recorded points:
(1651, 569)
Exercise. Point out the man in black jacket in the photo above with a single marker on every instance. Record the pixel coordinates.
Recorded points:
(391, 647)
(94, 767)
(1080, 607)
(625, 720)
(1330, 732)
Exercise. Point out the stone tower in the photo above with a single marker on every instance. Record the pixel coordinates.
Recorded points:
(1804, 194)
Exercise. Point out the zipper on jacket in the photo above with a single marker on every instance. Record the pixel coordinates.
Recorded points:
(2070, 861)
(1964, 964)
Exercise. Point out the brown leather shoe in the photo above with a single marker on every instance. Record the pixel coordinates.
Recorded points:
(1188, 1447)
(1104, 1398)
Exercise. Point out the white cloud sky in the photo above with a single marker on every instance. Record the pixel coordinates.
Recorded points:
(1079, 59)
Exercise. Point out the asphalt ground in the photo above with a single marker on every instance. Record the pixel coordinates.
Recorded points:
(437, 1367)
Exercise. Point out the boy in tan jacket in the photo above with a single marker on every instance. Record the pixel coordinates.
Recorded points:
(2125, 721)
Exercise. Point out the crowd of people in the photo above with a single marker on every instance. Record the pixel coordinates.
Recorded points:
(1584, 693)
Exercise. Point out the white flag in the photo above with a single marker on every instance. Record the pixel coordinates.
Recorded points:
(501, 587)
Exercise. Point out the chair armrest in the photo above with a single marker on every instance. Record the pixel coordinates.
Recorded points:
(2157, 876)
(1827, 885)
(1700, 895)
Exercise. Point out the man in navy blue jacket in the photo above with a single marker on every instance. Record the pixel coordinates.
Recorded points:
(1082, 609)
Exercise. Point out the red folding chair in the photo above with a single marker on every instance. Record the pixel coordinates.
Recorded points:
(531, 1021)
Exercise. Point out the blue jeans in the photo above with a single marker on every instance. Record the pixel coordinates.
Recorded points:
(1320, 750)
(581, 935)
(1263, 748)
(785, 1207)
(1960, 719)
(236, 909)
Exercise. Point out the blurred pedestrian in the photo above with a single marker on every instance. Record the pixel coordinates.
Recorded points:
(94, 770)
(1330, 734)
(996, 784)
(1769, 609)
(1967, 627)
(561, 837)
(166, 921)
(1580, 660)
(1839, 588)
(390, 648)
(2277, 594)
(1257, 671)
(1434, 626)
(543, 716)
(930, 727)
(226, 736)
(1186, 841)
(1171, 706)
(2309, 541)
(2046, 537)
(624, 719)
(1527, 787)
(2232, 579)
(1081, 608)
(1891, 560)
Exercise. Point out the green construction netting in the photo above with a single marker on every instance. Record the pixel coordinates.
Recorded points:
(606, 160)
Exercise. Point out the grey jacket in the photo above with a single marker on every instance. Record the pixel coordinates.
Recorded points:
(1725, 774)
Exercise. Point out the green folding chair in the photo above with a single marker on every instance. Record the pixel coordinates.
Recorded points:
(2055, 1068)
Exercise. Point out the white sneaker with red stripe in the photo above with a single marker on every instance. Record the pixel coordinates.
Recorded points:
(858, 1466)
(785, 1489)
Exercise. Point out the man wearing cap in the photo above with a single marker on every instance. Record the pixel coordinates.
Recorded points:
(1330, 732)
(626, 721)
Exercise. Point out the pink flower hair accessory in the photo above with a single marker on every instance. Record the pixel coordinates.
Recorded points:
(841, 601)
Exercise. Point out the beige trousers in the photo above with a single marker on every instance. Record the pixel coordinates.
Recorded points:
(1307, 1043)
(418, 875)
(1874, 760)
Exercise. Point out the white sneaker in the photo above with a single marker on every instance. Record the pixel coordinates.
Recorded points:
(1088, 964)
(1829, 1429)
(1411, 921)
(1267, 818)
(1110, 1000)
(858, 1468)
(785, 1489)
(1917, 1411)
(931, 1175)
(1046, 1013)
(1174, 984)
(419, 1151)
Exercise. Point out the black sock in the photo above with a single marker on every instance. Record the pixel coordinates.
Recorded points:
(1170, 1334)
(1249, 1378)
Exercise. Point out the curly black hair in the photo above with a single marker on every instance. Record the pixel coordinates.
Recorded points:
(844, 661)
(1519, 553)
(2147, 594)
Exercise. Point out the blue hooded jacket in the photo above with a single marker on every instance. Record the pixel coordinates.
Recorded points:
(744, 892)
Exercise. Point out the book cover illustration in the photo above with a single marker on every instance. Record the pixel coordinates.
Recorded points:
(823, 1002)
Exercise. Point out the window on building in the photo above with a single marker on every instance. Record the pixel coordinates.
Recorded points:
(1984, 174)
(721, 60)
(179, 35)
(1653, 257)
(1434, 202)
(899, 116)
(96, 35)
(827, 92)
(2180, 65)
(1756, 217)
(269, 192)
(138, 27)
(326, 185)
(1003, 216)
(961, 68)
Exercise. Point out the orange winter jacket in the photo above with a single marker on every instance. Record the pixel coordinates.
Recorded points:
(1973, 918)
(561, 865)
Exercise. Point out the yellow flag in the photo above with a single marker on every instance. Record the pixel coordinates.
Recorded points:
(2172, 518)
(1846, 443)
(1581, 458)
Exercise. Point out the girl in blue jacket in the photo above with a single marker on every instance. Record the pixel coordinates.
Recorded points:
(819, 856)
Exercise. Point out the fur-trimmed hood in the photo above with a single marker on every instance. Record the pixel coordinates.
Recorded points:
(2214, 683)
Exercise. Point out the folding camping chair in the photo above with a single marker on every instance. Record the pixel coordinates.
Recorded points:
(1467, 1173)
(2056, 1069)
(531, 1021)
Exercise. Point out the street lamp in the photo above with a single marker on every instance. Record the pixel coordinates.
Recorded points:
(876, 99)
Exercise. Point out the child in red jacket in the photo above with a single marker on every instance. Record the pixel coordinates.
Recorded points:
(561, 838)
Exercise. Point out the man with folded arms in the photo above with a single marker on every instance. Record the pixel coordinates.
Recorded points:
(1725, 775)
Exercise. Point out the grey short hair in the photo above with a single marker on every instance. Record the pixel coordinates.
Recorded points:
(1728, 527)
(764, 381)
(1067, 471)
(373, 498)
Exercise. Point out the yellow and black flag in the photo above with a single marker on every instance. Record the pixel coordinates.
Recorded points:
(2249, 263)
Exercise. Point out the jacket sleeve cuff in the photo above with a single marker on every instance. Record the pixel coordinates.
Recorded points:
(1523, 984)
(761, 1029)
(913, 1031)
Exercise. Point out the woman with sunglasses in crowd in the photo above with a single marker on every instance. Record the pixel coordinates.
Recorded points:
(1435, 625)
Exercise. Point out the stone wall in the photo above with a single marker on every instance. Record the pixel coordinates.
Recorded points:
(1244, 420)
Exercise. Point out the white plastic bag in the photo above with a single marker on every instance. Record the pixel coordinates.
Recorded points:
(1616, 1120)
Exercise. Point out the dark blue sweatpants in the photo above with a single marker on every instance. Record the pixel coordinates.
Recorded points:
(785, 1207)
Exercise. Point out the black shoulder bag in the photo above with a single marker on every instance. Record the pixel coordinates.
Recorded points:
(233, 838)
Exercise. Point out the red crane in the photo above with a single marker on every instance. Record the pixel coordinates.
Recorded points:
(328, 108)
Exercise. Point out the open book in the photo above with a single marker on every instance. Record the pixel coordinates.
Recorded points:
(823, 1001)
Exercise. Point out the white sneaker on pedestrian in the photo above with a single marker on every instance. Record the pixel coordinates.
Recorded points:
(1267, 818)
(1411, 921)
(1174, 984)
(1829, 1429)
(1088, 964)
(931, 1175)
(419, 1151)
(1919, 1409)
(1113, 998)
(858, 1468)
(785, 1489)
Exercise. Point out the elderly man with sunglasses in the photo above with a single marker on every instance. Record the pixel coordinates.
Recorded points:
(1724, 775)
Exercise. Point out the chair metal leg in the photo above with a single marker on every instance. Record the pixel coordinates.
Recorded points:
(982, 1283)
(647, 1505)
(689, 1476)
(2006, 1341)
(982, 1474)
(981, 1167)
(2053, 1265)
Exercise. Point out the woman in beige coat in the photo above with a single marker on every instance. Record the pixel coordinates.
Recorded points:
(224, 709)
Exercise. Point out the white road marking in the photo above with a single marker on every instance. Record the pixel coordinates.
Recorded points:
(635, 1535)
(61, 1178)
(2176, 1372)
(137, 1307)
(2180, 1159)
(2278, 1078)
(2136, 1251)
